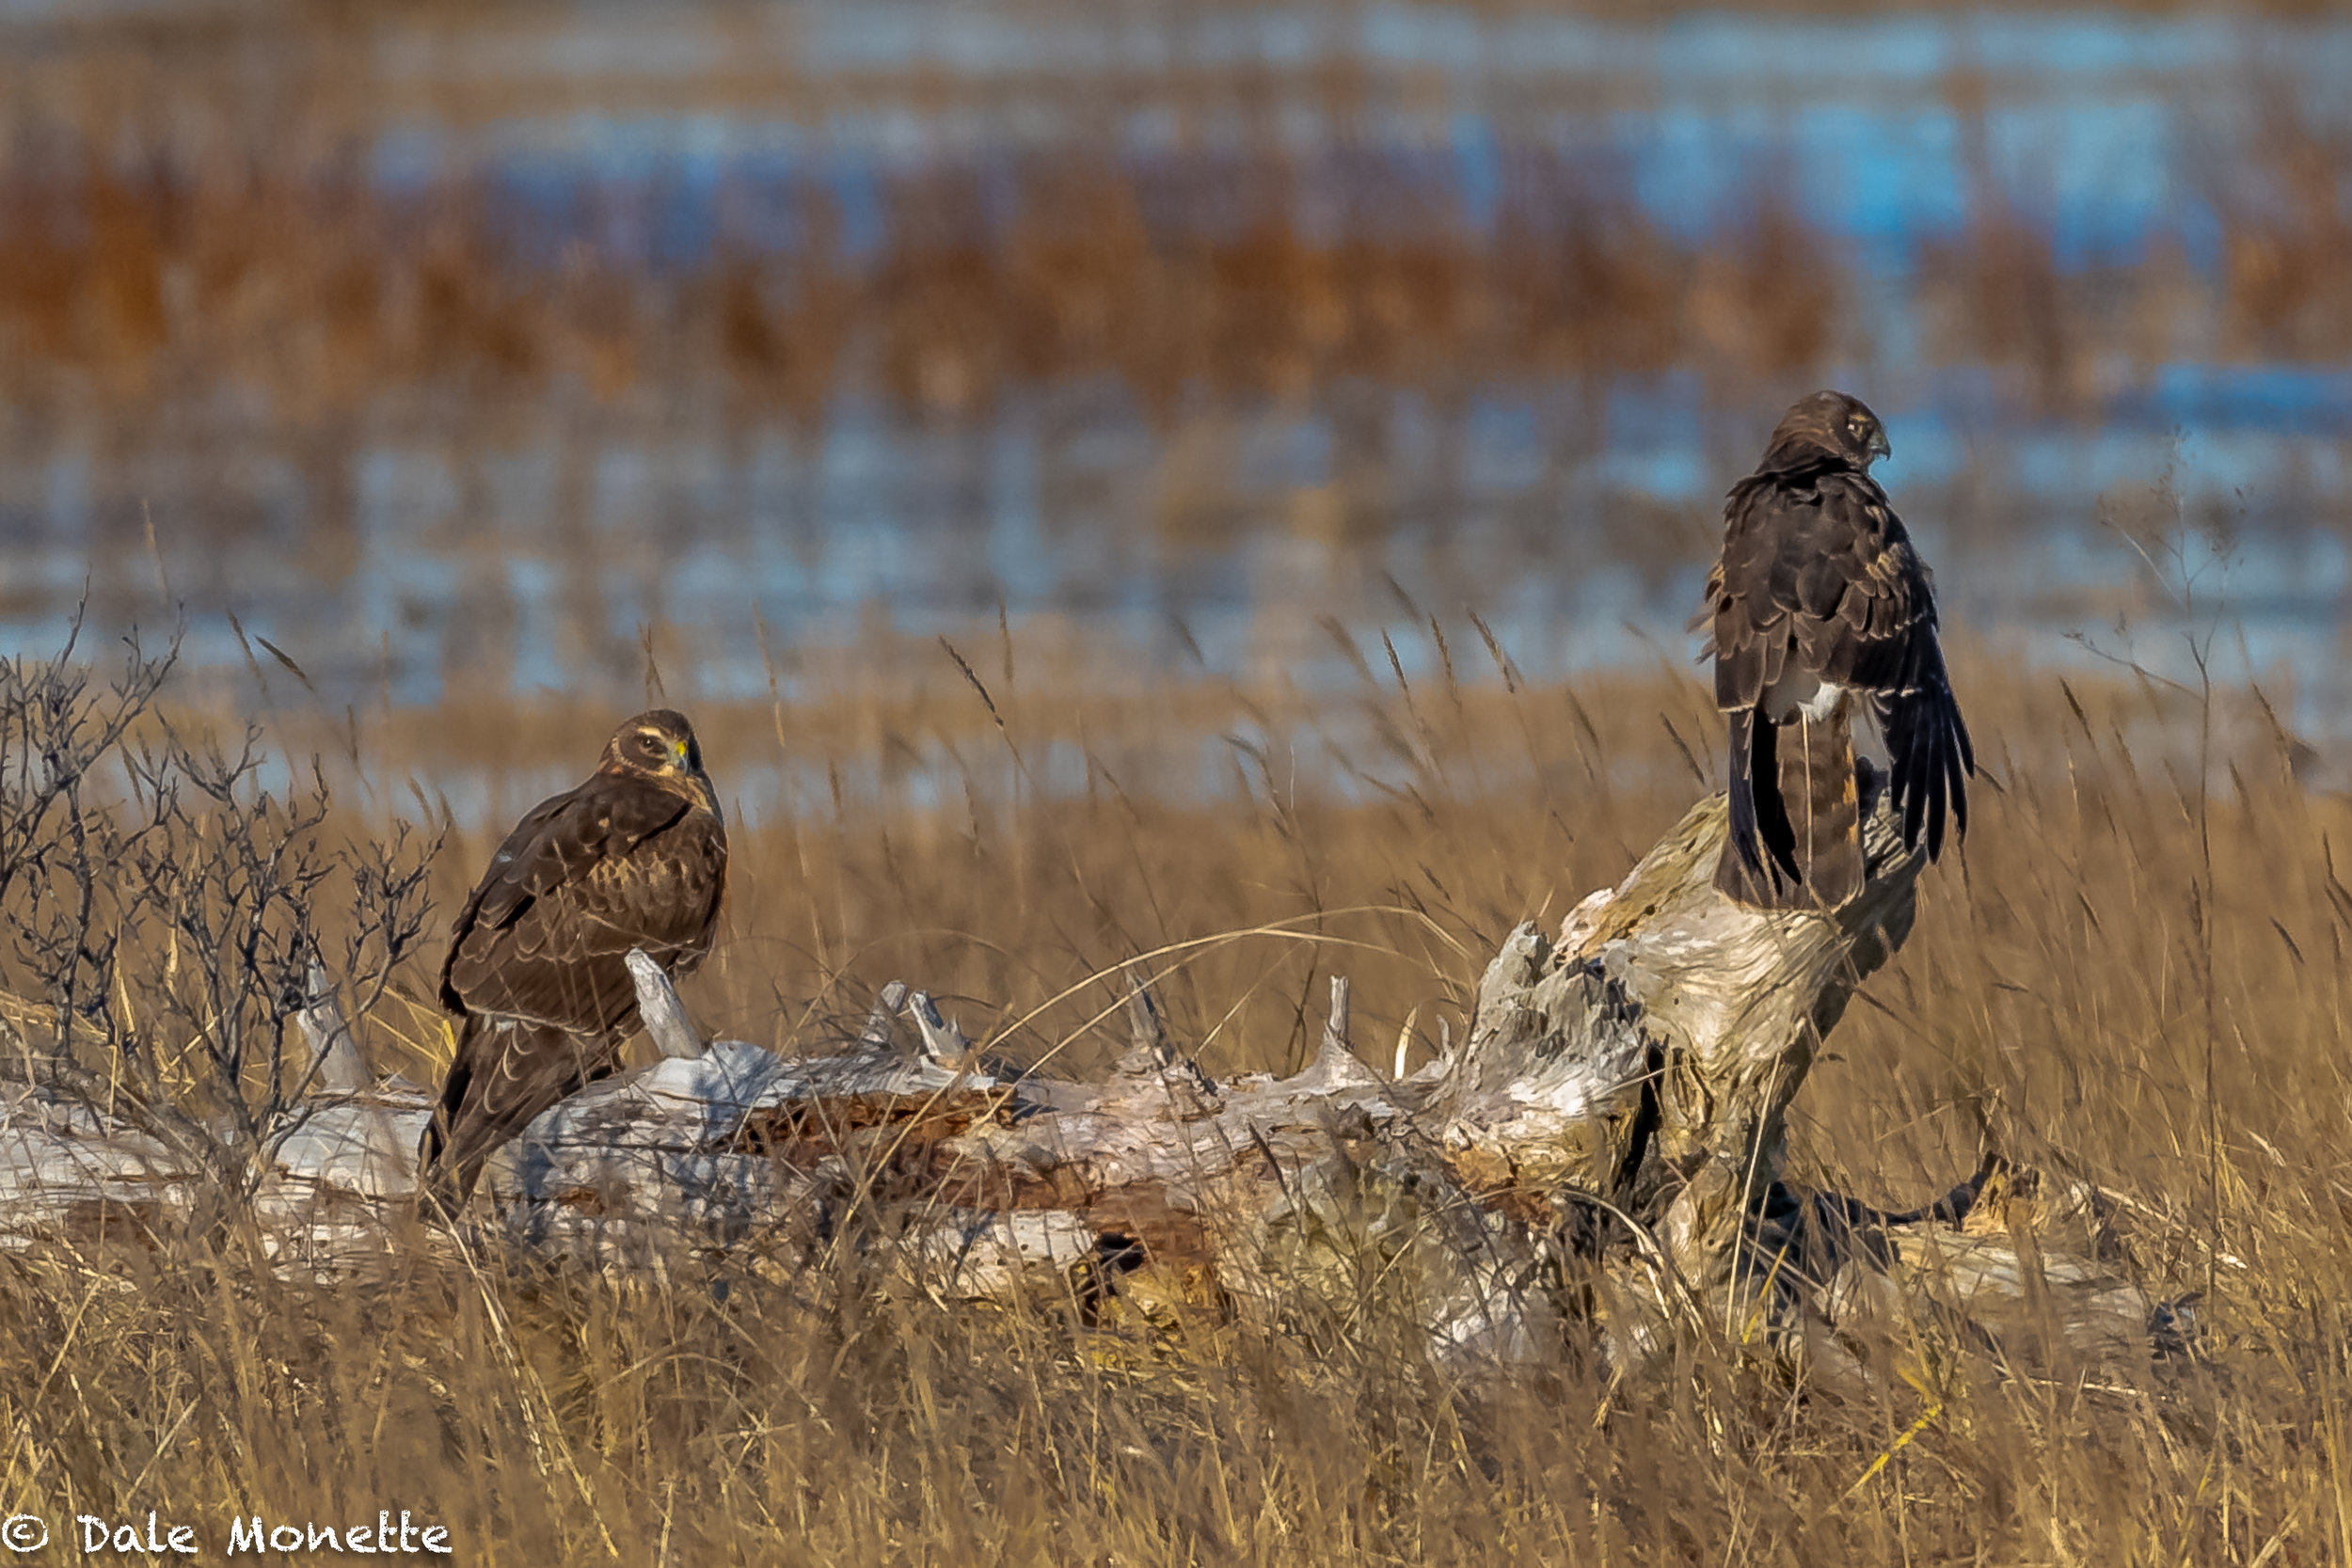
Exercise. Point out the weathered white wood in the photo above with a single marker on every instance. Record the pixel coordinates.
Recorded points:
(1335, 1022)
(333, 1049)
(1148, 1049)
(658, 1005)
(349, 1134)
(1664, 1036)
(1336, 1066)
(877, 1032)
(69, 1170)
(943, 1042)
(362, 1144)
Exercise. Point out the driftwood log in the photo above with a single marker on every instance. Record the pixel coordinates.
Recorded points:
(1600, 1163)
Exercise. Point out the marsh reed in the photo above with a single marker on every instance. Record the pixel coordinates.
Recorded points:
(265, 254)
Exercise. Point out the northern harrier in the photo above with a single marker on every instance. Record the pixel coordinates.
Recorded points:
(537, 973)
(1817, 605)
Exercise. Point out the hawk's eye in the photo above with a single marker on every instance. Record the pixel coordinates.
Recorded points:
(1857, 427)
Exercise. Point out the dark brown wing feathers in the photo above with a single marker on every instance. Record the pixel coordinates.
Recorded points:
(1759, 865)
(505, 1074)
(619, 862)
(1817, 576)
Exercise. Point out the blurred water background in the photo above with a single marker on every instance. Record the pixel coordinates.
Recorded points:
(493, 350)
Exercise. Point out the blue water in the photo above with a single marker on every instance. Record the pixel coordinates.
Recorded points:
(1885, 132)
(470, 555)
(1048, 508)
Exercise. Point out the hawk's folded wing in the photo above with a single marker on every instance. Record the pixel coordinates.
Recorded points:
(1818, 583)
(614, 864)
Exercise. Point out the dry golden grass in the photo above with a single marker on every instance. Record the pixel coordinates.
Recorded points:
(2133, 973)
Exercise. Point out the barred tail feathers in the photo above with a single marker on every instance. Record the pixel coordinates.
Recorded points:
(1816, 771)
(1780, 858)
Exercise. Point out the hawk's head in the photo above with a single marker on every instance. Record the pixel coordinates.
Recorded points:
(1827, 426)
(661, 745)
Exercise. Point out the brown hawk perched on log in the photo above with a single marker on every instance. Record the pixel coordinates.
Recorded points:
(1819, 606)
(537, 971)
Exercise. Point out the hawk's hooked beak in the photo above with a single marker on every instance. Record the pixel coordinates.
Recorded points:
(1879, 446)
(697, 781)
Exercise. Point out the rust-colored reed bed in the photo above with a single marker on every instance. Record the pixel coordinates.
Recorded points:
(323, 292)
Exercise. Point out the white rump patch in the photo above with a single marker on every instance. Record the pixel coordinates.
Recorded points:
(1798, 694)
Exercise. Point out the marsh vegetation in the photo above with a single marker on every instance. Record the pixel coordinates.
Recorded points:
(2133, 976)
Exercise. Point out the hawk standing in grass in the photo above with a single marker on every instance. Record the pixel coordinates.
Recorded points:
(1818, 606)
(537, 973)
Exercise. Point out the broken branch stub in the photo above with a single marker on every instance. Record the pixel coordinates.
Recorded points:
(662, 1013)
